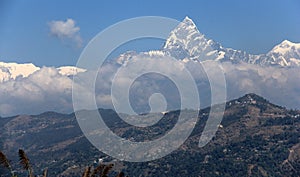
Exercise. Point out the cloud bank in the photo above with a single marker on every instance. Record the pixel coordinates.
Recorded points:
(48, 90)
(66, 30)
(44, 90)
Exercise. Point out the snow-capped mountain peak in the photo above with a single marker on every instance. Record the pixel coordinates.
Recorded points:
(11, 71)
(189, 22)
(287, 42)
(286, 47)
(286, 53)
(185, 41)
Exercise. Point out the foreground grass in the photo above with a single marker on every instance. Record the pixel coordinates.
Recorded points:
(102, 170)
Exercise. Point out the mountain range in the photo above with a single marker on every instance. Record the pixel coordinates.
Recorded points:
(12, 71)
(255, 138)
(185, 43)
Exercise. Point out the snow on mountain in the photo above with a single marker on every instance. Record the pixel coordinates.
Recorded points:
(123, 58)
(11, 71)
(286, 53)
(186, 43)
(69, 70)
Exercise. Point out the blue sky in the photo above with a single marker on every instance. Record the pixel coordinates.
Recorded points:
(254, 25)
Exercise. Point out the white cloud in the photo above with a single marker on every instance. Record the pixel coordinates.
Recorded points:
(66, 30)
(277, 84)
(44, 90)
(280, 85)
(48, 90)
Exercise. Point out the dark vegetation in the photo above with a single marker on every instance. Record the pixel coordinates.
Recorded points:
(255, 138)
